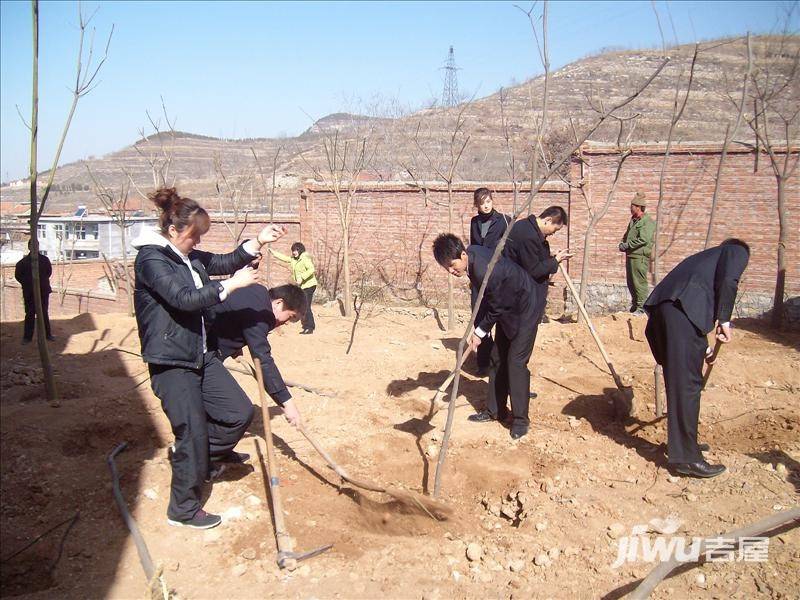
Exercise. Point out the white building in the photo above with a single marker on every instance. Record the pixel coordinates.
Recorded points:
(82, 235)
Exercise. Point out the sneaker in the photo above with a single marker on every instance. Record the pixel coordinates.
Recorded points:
(233, 458)
(200, 520)
(51, 338)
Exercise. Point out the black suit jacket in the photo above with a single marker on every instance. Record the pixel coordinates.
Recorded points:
(498, 223)
(509, 294)
(245, 318)
(704, 284)
(528, 248)
(23, 272)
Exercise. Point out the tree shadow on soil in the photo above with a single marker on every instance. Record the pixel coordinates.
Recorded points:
(761, 327)
(53, 461)
(599, 412)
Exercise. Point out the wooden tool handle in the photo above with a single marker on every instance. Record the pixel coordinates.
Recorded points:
(443, 388)
(281, 535)
(582, 309)
(710, 366)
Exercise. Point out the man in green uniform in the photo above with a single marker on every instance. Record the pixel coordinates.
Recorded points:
(637, 244)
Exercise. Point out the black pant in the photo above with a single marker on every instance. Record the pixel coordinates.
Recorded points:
(308, 320)
(30, 314)
(209, 414)
(485, 349)
(508, 368)
(679, 348)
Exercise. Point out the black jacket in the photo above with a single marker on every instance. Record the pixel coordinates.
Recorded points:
(169, 308)
(498, 223)
(705, 285)
(244, 319)
(509, 294)
(24, 274)
(528, 247)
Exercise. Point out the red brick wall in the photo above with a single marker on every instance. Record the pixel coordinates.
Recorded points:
(746, 208)
(392, 232)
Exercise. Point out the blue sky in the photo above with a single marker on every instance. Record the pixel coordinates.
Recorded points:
(259, 69)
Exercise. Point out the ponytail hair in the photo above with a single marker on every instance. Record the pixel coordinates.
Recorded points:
(181, 212)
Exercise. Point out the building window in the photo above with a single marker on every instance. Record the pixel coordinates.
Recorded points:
(59, 231)
(80, 231)
(41, 231)
(91, 231)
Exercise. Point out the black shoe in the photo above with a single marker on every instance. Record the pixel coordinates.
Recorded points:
(215, 471)
(518, 431)
(483, 416)
(200, 520)
(703, 447)
(307, 332)
(51, 338)
(233, 458)
(700, 469)
(533, 395)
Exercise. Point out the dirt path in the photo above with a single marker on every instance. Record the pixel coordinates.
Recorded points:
(545, 511)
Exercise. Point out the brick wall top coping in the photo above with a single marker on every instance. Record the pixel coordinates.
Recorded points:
(684, 148)
(438, 186)
(258, 217)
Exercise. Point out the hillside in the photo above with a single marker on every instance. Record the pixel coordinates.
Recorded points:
(401, 144)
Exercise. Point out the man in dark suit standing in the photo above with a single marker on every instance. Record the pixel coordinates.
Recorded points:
(23, 273)
(683, 309)
(245, 318)
(510, 303)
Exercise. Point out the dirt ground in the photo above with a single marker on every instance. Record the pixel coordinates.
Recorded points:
(546, 512)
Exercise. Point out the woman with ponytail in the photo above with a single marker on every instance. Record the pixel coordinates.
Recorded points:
(207, 409)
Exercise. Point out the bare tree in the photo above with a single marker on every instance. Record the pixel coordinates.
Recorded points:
(85, 81)
(775, 96)
(346, 157)
(443, 161)
(275, 157)
(158, 151)
(230, 190)
(730, 134)
(624, 149)
(116, 204)
(678, 107)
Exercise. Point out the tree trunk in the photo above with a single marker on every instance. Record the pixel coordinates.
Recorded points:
(451, 320)
(128, 287)
(41, 335)
(585, 275)
(783, 240)
(348, 308)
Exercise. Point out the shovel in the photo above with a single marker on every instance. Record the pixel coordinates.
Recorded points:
(287, 558)
(623, 402)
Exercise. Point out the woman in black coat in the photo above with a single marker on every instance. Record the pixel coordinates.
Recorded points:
(207, 409)
(485, 229)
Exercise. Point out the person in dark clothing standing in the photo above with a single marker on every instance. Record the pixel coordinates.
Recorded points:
(528, 247)
(245, 318)
(23, 273)
(206, 408)
(683, 308)
(510, 303)
(486, 229)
